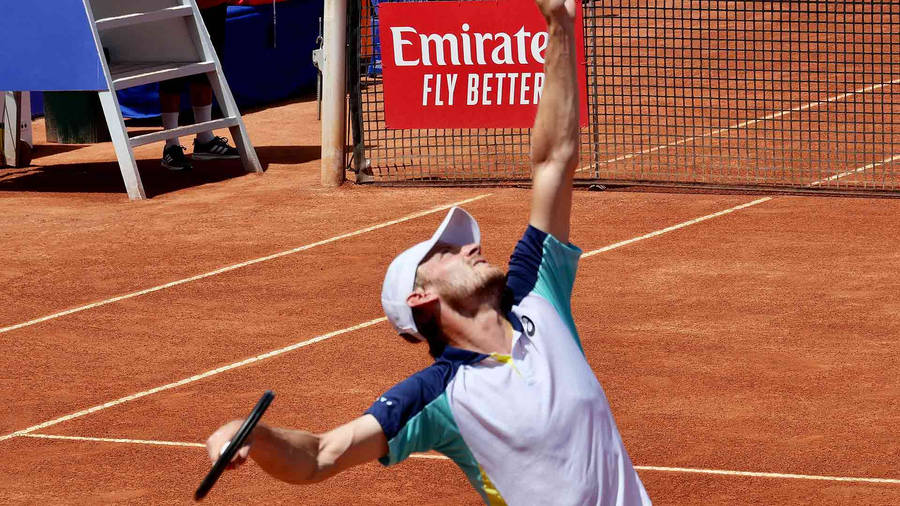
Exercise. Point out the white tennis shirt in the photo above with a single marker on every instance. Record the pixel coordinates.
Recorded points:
(533, 427)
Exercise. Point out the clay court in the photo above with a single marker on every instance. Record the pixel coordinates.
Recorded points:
(746, 343)
(746, 339)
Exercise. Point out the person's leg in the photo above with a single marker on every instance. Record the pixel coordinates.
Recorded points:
(201, 103)
(206, 145)
(170, 104)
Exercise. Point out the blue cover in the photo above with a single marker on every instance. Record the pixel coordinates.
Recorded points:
(48, 45)
(257, 73)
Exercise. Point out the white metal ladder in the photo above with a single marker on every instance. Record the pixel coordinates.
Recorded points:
(150, 41)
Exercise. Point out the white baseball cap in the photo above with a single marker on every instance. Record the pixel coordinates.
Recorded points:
(458, 229)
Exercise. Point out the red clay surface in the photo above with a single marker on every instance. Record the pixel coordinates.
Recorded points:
(762, 340)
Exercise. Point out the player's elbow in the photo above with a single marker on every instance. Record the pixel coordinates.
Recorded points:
(321, 472)
(325, 463)
(304, 472)
(562, 156)
(321, 468)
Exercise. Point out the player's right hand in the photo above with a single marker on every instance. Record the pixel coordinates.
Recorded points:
(559, 9)
(218, 441)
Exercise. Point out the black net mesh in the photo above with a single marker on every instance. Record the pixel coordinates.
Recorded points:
(723, 93)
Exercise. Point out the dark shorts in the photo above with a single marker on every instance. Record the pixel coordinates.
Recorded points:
(214, 19)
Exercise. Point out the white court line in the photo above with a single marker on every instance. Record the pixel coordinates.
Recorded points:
(675, 227)
(743, 124)
(768, 475)
(428, 456)
(192, 379)
(323, 337)
(430, 211)
(854, 171)
(115, 440)
(733, 209)
(240, 265)
(727, 472)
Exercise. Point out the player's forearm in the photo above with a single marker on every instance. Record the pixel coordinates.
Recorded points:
(555, 135)
(296, 456)
(554, 144)
(288, 455)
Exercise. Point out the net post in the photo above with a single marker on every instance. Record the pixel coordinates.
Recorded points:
(333, 93)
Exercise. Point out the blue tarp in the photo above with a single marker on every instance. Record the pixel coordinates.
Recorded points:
(48, 45)
(257, 72)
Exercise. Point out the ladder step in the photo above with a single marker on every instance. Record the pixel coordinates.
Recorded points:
(216, 124)
(144, 17)
(129, 74)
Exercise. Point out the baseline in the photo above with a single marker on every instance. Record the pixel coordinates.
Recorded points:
(728, 472)
(428, 456)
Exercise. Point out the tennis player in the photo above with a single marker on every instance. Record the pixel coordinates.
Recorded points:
(510, 397)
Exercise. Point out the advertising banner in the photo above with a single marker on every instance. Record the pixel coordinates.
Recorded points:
(468, 64)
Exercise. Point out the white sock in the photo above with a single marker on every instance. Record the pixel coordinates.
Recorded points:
(203, 114)
(170, 121)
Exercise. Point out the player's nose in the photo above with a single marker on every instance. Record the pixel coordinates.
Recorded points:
(471, 249)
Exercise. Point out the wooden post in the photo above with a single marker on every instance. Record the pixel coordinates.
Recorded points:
(16, 129)
(334, 77)
(74, 117)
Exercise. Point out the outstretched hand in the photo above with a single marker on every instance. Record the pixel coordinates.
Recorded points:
(557, 9)
(219, 440)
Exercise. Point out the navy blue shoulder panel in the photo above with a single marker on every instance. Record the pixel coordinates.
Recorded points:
(525, 263)
(409, 397)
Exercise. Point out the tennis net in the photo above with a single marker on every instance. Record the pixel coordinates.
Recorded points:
(730, 94)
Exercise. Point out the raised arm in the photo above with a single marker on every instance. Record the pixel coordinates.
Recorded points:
(554, 140)
(295, 456)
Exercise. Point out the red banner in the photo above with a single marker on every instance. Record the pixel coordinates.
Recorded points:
(466, 64)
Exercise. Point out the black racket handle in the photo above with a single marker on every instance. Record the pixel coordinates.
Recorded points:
(236, 443)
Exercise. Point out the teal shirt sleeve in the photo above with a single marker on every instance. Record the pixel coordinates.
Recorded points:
(415, 416)
(429, 429)
(434, 428)
(545, 266)
(556, 275)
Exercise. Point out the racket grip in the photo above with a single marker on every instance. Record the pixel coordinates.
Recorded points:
(232, 447)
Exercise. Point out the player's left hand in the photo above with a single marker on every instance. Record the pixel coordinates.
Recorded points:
(219, 440)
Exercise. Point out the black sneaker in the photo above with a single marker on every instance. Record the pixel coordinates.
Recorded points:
(216, 149)
(174, 159)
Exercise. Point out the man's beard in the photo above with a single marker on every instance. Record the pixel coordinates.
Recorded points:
(465, 295)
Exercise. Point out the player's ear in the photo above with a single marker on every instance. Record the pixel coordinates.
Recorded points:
(420, 298)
